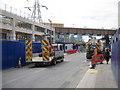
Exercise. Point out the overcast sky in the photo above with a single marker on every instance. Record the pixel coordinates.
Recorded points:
(75, 13)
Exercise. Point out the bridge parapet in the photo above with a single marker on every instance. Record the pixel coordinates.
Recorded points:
(84, 31)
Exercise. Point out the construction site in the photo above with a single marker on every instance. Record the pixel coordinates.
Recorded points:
(37, 54)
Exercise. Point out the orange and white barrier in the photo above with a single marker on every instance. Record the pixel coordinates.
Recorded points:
(97, 58)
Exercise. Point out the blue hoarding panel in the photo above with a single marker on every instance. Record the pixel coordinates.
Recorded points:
(118, 59)
(11, 51)
(0, 55)
(112, 57)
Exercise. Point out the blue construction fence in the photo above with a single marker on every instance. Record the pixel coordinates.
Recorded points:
(12, 50)
(115, 58)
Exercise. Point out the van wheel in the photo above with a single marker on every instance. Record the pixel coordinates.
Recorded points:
(54, 62)
(62, 60)
(37, 65)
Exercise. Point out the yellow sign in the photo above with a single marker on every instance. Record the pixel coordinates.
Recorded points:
(92, 71)
(28, 42)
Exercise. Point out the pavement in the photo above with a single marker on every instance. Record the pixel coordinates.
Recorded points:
(100, 77)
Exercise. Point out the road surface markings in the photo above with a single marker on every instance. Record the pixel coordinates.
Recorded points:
(88, 81)
(92, 71)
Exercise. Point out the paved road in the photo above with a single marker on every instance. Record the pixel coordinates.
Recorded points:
(63, 75)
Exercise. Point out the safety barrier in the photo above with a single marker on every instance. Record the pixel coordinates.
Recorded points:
(71, 51)
(97, 58)
(11, 51)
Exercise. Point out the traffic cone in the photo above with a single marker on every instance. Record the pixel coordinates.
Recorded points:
(19, 63)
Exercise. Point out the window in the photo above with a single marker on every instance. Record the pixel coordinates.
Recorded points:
(4, 36)
(65, 47)
(22, 24)
(116, 39)
(61, 47)
(55, 48)
(52, 32)
(113, 41)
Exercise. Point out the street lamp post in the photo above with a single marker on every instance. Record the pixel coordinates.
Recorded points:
(51, 29)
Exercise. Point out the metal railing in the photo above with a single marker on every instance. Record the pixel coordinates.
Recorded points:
(20, 13)
(15, 11)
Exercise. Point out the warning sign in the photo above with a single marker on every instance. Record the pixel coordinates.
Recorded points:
(45, 50)
(45, 42)
(28, 50)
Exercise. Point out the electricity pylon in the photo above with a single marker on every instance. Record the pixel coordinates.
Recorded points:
(36, 13)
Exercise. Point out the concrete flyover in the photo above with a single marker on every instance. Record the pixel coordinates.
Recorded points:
(84, 31)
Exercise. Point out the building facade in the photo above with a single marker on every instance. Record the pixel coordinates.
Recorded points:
(16, 25)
